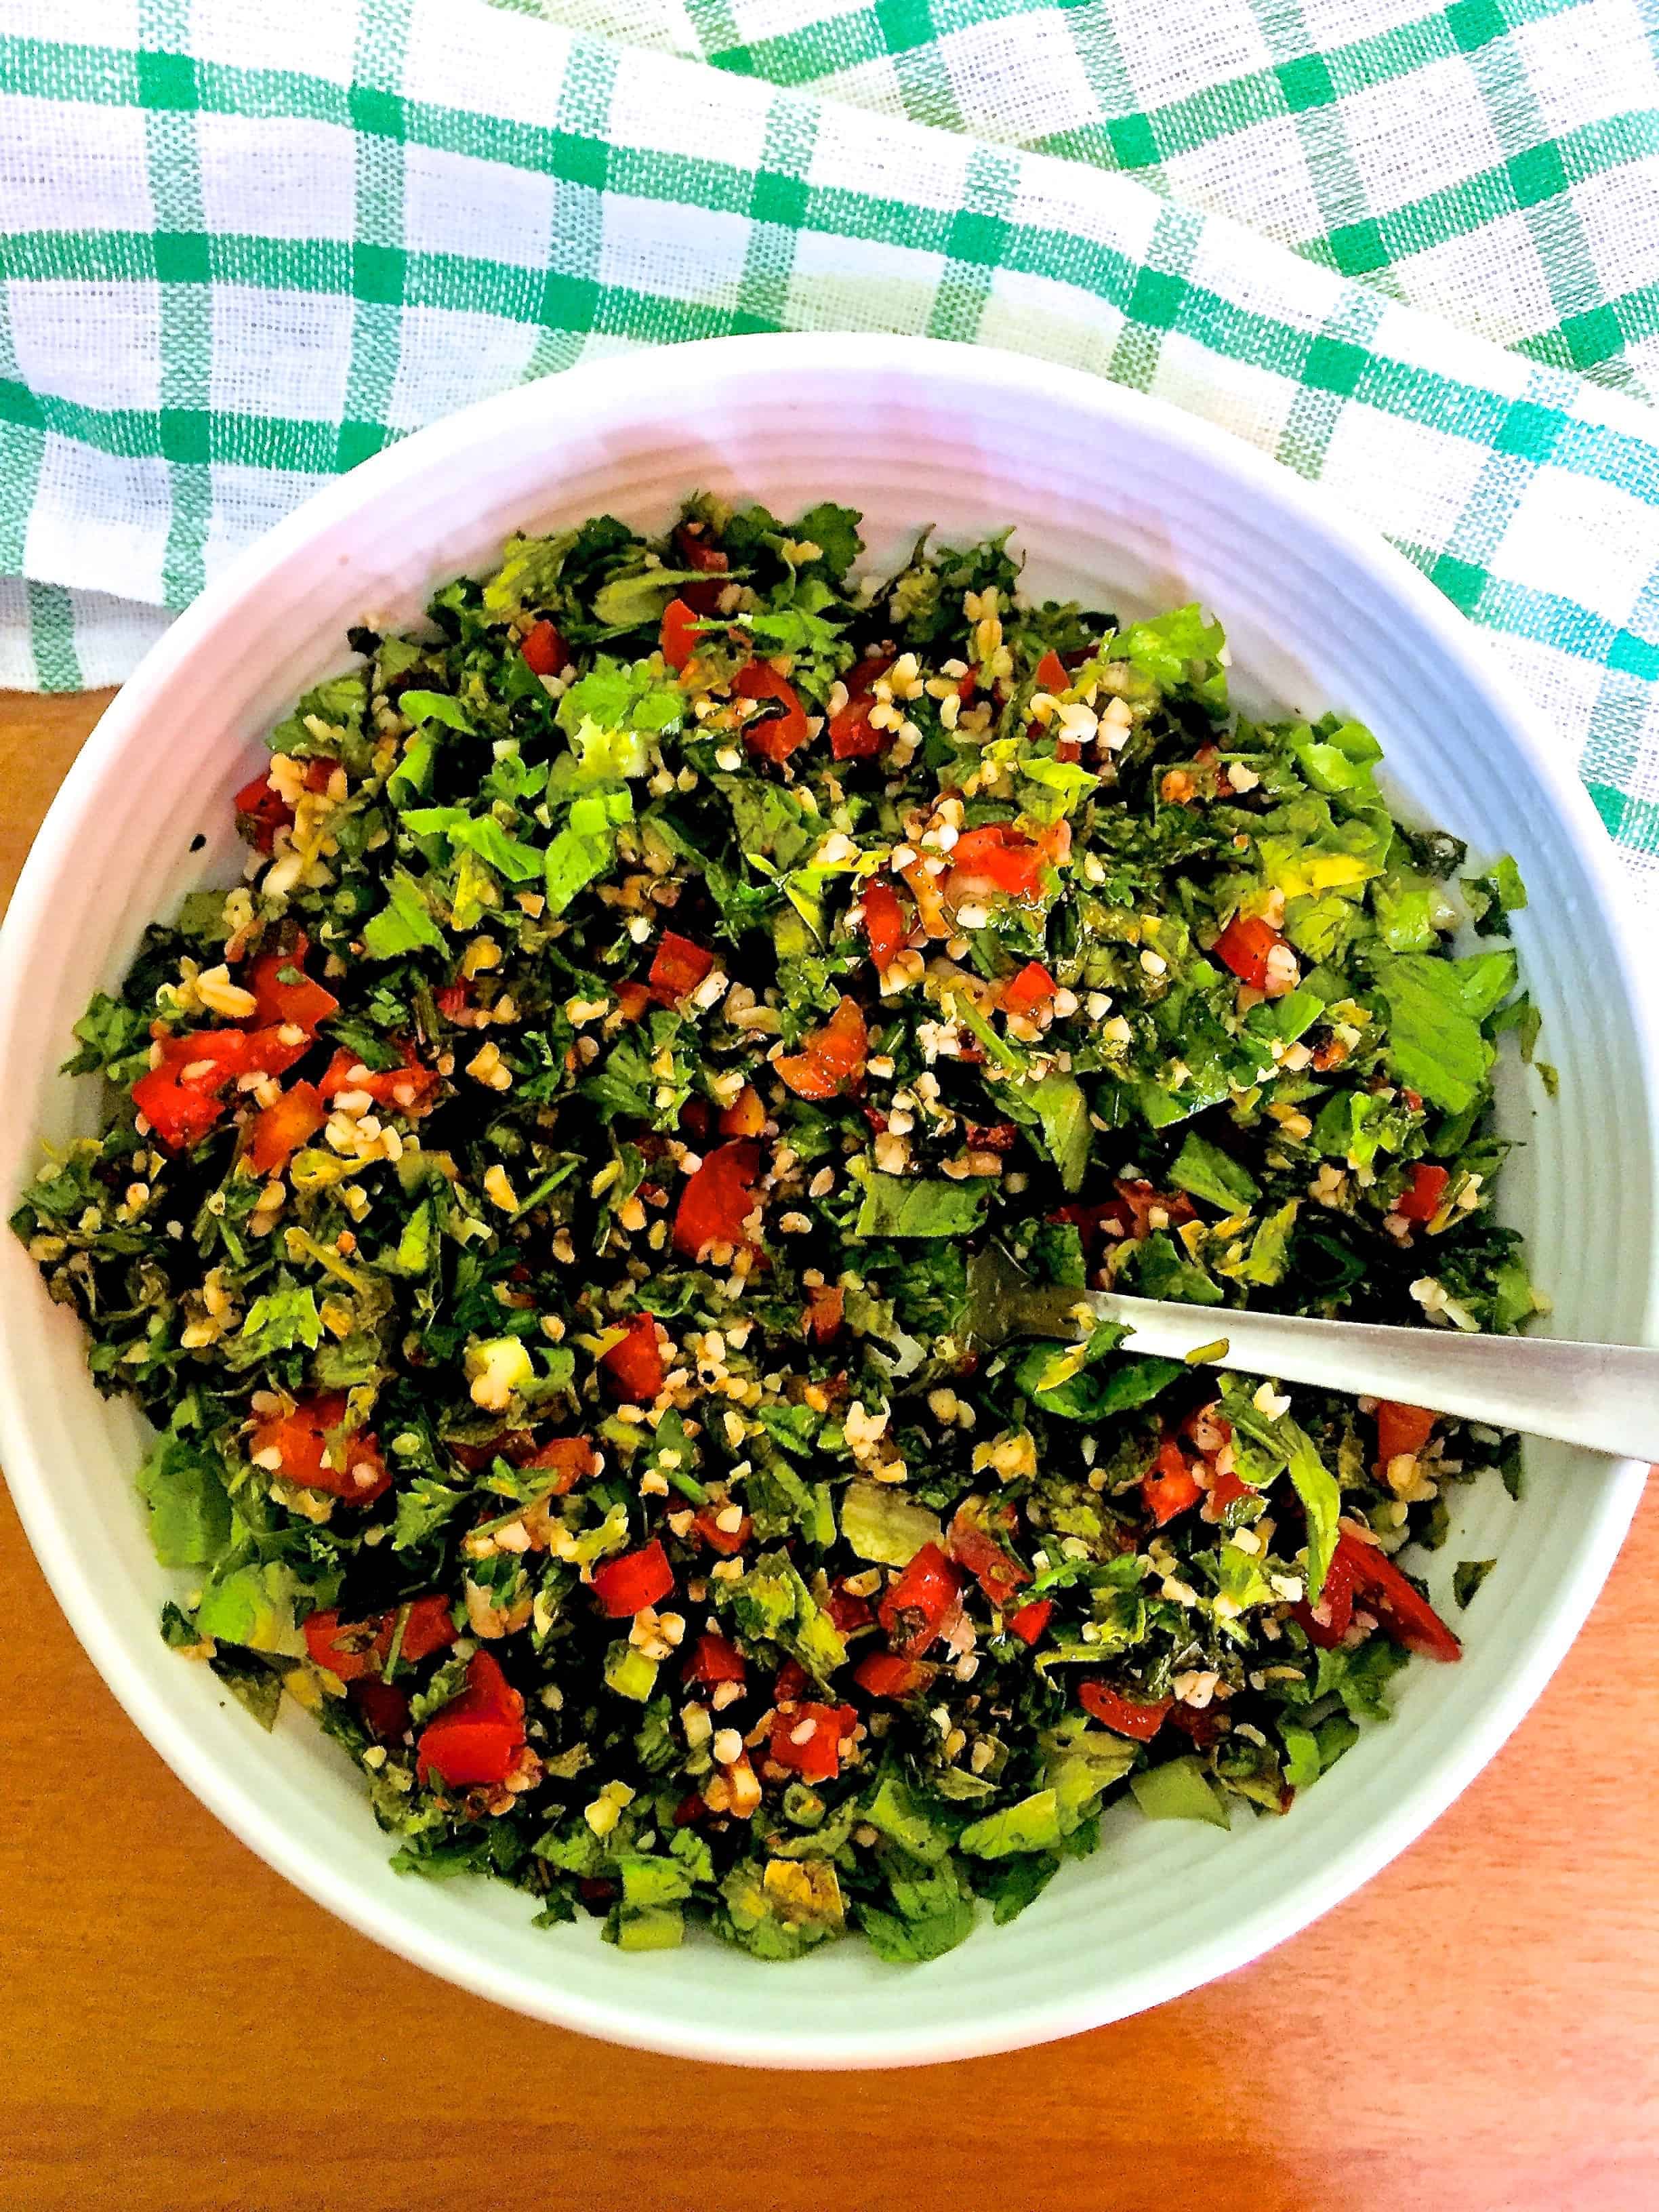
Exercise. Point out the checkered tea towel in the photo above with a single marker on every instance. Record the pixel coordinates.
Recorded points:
(1411, 249)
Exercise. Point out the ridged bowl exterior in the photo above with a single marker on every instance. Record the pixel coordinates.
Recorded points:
(1133, 506)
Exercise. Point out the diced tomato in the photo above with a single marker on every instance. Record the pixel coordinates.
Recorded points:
(180, 1098)
(1400, 1429)
(715, 1660)
(261, 813)
(384, 1708)
(633, 1366)
(454, 1000)
(885, 1676)
(912, 1609)
(428, 1628)
(571, 1458)
(278, 1130)
(1033, 988)
(1226, 1490)
(1244, 946)
(1205, 1724)
(993, 859)
(778, 735)
(746, 1116)
(477, 1738)
(973, 1545)
(1335, 1599)
(1052, 675)
(1029, 1623)
(712, 567)
(884, 922)
(1420, 1200)
(180, 1114)
(849, 1613)
(1169, 1486)
(348, 1649)
(817, 1757)
(829, 1056)
(790, 1682)
(728, 1541)
(852, 736)
(968, 686)
(715, 1201)
(680, 634)
(302, 1440)
(546, 653)
(632, 999)
(638, 1578)
(825, 1302)
(302, 1001)
(1408, 1616)
(410, 1089)
(676, 969)
(996, 860)
(1127, 1716)
(513, 1445)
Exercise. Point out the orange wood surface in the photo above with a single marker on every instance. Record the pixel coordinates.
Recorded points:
(1478, 2031)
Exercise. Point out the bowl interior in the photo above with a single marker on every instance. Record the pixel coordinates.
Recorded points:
(1127, 504)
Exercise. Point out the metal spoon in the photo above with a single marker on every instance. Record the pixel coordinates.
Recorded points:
(1602, 1395)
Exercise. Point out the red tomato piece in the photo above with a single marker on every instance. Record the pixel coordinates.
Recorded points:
(912, 1609)
(825, 1302)
(384, 1709)
(180, 1114)
(779, 735)
(829, 1056)
(278, 1130)
(546, 653)
(1052, 675)
(315, 1455)
(676, 969)
(1029, 1623)
(884, 922)
(453, 999)
(1169, 1486)
(1326, 1628)
(790, 1682)
(276, 1001)
(715, 1200)
(849, 1613)
(816, 1757)
(1029, 991)
(348, 1649)
(715, 1660)
(426, 1628)
(1226, 1490)
(885, 1676)
(992, 859)
(972, 1545)
(632, 999)
(635, 1365)
(1400, 1429)
(1420, 1200)
(680, 634)
(571, 1458)
(728, 1541)
(410, 1089)
(1141, 1719)
(475, 1739)
(1404, 1612)
(851, 737)
(746, 1116)
(261, 813)
(1244, 945)
(638, 1578)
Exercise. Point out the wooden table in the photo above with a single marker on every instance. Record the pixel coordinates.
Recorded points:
(1479, 2029)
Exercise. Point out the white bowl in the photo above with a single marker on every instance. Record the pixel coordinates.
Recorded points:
(1136, 506)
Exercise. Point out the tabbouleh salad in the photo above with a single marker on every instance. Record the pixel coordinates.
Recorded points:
(535, 1207)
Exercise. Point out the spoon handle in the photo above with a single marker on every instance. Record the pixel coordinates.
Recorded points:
(1602, 1395)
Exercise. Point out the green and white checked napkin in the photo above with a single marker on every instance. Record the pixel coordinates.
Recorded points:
(1411, 249)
